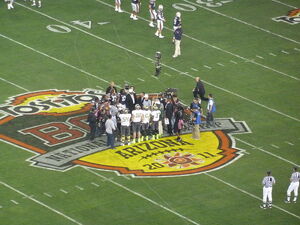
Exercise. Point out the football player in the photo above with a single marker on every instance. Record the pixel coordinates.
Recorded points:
(10, 4)
(118, 6)
(155, 114)
(125, 118)
(135, 4)
(177, 21)
(160, 21)
(145, 123)
(152, 12)
(137, 116)
(39, 3)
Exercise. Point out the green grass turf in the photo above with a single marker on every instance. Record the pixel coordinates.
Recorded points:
(200, 198)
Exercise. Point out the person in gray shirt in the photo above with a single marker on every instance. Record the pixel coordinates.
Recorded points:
(110, 128)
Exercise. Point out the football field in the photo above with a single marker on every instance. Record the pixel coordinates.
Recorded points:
(54, 59)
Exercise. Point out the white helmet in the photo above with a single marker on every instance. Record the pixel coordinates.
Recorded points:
(178, 14)
(161, 7)
(137, 106)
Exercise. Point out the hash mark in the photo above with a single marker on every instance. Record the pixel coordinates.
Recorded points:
(97, 185)
(208, 67)
(1, 207)
(62, 190)
(168, 74)
(194, 69)
(220, 64)
(258, 56)
(289, 143)
(127, 178)
(234, 62)
(285, 52)
(297, 49)
(272, 54)
(275, 146)
(80, 188)
(101, 88)
(154, 77)
(140, 79)
(15, 202)
(50, 196)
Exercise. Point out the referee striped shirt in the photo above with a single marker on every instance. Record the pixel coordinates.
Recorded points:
(268, 181)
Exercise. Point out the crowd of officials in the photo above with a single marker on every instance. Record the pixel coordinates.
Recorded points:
(135, 118)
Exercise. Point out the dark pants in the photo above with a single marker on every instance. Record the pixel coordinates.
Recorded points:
(110, 140)
(93, 128)
(170, 127)
(200, 95)
(210, 119)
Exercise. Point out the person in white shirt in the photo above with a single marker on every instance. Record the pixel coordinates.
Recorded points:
(10, 4)
(137, 116)
(160, 21)
(267, 183)
(152, 12)
(110, 128)
(125, 118)
(155, 115)
(145, 123)
(294, 185)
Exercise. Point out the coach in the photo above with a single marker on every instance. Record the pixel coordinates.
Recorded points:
(177, 41)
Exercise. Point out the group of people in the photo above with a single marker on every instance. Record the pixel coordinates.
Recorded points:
(268, 182)
(10, 3)
(157, 15)
(135, 118)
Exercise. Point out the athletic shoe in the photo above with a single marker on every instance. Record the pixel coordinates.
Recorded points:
(151, 25)
(286, 201)
(131, 16)
(160, 36)
(262, 207)
(156, 34)
(174, 56)
(135, 18)
(294, 201)
(120, 10)
(116, 9)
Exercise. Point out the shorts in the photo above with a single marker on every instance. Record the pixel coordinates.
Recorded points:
(145, 126)
(135, 7)
(136, 127)
(125, 130)
(154, 125)
(160, 24)
(152, 14)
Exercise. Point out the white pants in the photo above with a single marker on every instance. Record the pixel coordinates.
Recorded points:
(293, 188)
(118, 2)
(177, 48)
(152, 14)
(135, 7)
(160, 25)
(267, 194)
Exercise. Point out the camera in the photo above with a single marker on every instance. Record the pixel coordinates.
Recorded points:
(157, 63)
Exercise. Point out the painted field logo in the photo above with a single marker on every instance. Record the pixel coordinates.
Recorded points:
(53, 125)
(292, 18)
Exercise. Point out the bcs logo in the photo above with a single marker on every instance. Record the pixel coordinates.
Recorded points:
(52, 124)
(293, 17)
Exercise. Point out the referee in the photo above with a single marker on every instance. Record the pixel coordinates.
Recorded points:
(267, 183)
(177, 40)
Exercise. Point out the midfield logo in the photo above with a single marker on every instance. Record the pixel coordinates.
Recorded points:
(292, 18)
(52, 124)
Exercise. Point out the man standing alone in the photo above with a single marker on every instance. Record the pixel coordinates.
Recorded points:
(110, 127)
(177, 41)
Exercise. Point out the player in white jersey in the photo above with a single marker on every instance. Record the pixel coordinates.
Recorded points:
(155, 114)
(152, 12)
(267, 183)
(160, 21)
(137, 116)
(145, 123)
(39, 3)
(135, 4)
(118, 6)
(10, 4)
(294, 185)
(125, 118)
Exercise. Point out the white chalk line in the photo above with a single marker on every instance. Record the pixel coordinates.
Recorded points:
(208, 67)
(15, 202)
(249, 194)
(63, 191)
(9, 82)
(40, 203)
(260, 57)
(267, 152)
(289, 143)
(140, 79)
(142, 196)
(213, 46)
(244, 22)
(272, 54)
(220, 64)
(275, 146)
(172, 68)
(194, 69)
(96, 185)
(79, 188)
(285, 52)
(234, 62)
(282, 3)
(48, 195)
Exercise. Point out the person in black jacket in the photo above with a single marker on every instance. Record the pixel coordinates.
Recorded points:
(130, 100)
(111, 87)
(169, 110)
(199, 90)
(92, 120)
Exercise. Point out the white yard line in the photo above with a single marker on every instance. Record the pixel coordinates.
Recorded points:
(140, 79)
(243, 22)
(249, 194)
(285, 52)
(48, 195)
(208, 67)
(9, 82)
(40, 203)
(53, 58)
(275, 146)
(142, 196)
(272, 54)
(172, 68)
(282, 3)
(15, 202)
(63, 191)
(210, 45)
(289, 143)
(169, 75)
(267, 152)
(97, 185)
(297, 49)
